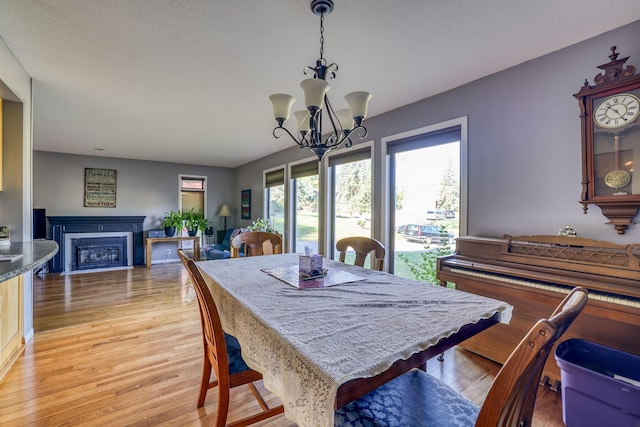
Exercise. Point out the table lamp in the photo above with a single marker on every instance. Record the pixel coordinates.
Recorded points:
(225, 212)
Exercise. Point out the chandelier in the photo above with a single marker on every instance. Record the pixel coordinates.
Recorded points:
(344, 123)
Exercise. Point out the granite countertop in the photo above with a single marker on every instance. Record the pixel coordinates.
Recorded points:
(34, 254)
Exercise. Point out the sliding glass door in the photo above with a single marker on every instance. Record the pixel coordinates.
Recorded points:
(275, 198)
(349, 192)
(424, 200)
(304, 190)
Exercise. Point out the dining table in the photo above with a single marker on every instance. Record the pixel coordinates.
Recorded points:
(323, 342)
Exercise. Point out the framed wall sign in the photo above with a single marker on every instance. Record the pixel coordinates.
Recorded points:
(245, 204)
(99, 188)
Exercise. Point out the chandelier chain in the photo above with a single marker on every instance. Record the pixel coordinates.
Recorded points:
(322, 37)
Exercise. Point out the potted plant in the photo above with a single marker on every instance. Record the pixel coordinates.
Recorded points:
(195, 221)
(203, 224)
(171, 222)
(262, 224)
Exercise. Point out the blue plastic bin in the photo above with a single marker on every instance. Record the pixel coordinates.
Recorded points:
(594, 392)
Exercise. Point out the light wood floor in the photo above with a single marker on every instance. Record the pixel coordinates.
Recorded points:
(123, 348)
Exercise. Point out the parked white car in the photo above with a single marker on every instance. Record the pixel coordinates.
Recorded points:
(435, 215)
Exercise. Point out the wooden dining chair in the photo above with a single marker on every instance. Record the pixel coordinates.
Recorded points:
(252, 242)
(363, 246)
(419, 399)
(222, 354)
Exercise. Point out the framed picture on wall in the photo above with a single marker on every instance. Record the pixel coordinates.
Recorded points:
(99, 188)
(245, 204)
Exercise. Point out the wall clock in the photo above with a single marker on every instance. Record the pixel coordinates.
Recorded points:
(610, 121)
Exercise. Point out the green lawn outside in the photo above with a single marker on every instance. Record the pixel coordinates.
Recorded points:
(307, 232)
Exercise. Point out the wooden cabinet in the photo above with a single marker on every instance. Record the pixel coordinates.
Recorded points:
(11, 326)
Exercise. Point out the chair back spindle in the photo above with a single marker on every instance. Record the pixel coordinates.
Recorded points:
(253, 243)
(362, 246)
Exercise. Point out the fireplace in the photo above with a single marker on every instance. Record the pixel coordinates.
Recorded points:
(98, 252)
(63, 229)
(96, 246)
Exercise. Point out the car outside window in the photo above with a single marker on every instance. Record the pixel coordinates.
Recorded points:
(435, 215)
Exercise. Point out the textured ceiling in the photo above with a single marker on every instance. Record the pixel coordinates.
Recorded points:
(188, 81)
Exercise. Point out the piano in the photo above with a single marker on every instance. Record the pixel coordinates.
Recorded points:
(533, 273)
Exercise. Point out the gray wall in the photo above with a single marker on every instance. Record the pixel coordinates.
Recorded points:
(524, 142)
(143, 188)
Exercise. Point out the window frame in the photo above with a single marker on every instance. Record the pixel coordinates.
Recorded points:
(329, 184)
(181, 189)
(290, 196)
(388, 228)
(266, 198)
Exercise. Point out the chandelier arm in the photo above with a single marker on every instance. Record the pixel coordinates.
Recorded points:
(330, 71)
(282, 128)
(360, 131)
(332, 117)
(315, 133)
(332, 141)
(337, 143)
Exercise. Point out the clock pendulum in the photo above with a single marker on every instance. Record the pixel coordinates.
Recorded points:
(617, 178)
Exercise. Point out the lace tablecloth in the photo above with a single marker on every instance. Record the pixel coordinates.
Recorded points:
(307, 342)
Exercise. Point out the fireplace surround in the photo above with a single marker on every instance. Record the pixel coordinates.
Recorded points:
(60, 226)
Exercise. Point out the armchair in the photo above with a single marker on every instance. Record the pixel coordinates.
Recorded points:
(221, 250)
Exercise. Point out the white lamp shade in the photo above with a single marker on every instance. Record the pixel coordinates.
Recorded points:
(314, 91)
(282, 105)
(358, 102)
(225, 211)
(302, 116)
(345, 119)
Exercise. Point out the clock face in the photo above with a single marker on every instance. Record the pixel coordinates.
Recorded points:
(617, 111)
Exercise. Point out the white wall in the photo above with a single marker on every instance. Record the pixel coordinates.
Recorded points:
(524, 142)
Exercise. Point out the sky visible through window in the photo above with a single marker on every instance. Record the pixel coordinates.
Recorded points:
(419, 174)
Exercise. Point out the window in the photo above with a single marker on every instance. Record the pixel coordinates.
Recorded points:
(426, 195)
(274, 198)
(192, 184)
(350, 196)
(193, 194)
(305, 206)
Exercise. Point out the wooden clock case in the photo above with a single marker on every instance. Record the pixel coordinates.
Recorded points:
(607, 150)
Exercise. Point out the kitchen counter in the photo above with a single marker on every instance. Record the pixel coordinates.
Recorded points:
(34, 254)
